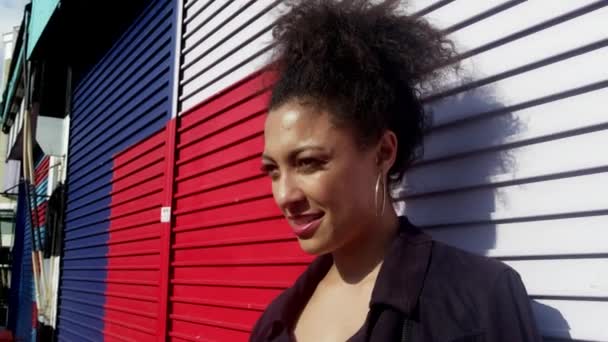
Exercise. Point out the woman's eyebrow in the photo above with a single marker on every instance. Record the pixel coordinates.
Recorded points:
(293, 154)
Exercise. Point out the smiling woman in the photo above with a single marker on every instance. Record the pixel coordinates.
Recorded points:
(345, 122)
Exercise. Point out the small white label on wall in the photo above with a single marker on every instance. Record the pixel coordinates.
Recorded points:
(165, 214)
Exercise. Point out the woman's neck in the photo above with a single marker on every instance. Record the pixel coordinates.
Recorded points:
(359, 261)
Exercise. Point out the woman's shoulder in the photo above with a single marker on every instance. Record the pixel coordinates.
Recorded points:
(453, 260)
(456, 271)
(470, 292)
(271, 321)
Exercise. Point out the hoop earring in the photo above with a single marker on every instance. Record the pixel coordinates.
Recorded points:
(378, 182)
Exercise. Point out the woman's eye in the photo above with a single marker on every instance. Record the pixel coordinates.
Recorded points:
(271, 171)
(309, 164)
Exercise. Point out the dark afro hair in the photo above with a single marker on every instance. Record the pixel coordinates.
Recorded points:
(366, 63)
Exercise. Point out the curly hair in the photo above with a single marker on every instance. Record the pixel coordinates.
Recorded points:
(366, 63)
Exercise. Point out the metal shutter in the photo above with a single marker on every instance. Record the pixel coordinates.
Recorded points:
(123, 99)
(134, 243)
(232, 252)
(223, 42)
(520, 140)
(22, 281)
(519, 134)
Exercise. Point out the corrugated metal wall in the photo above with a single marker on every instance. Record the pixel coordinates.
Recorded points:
(22, 281)
(232, 252)
(223, 42)
(519, 133)
(29, 214)
(519, 139)
(17, 255)
(125, 98)
(41, 180)
(133, 257)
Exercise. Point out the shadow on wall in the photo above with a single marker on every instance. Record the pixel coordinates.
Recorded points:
(452, 191)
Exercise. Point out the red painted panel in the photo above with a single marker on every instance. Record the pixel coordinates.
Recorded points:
(225, 156)
(40, 213)
(133, 320)
(232, 251)
(222, 120)
(276, 251)
(146, 216)
(253, 231)
(143, 189)
(247, 296)
(222, 177)
(148, 230)
(126, 333)
(173, 338)
(153, 143)
(42, 170)
(233, 94)
(224, 139)
(226, 214)
(152, 171)
(136, 165)
(137, 205)
(132, 255)
(207, 330)
(233, 316)
(134, 275)
(243, 190)
(132, 292)
(256, 273)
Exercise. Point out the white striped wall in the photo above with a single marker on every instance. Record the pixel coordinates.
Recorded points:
(515, 166)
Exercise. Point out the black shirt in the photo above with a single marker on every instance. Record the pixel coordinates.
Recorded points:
(425, 291)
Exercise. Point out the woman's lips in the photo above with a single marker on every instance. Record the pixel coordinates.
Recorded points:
(304, 226)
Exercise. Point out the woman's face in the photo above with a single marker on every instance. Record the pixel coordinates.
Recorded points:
(322, 180)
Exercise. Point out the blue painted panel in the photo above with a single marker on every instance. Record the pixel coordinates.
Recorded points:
(26, 299)
(128, 117)
(125, 98)
(127, 71)
(95, 191)
(90, 230)
(85, 185)
(151, 71)
(41, 191)
(21, 295)
(138, 31)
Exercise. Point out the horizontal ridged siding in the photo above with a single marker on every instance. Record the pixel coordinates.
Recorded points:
(133, 257)
(124, 99)
(519, 140)
(231, 251)
(519, 132)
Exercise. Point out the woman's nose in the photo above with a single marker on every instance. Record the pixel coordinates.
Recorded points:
(288, 195)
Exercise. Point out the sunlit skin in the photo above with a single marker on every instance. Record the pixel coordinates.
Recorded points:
(320, 173)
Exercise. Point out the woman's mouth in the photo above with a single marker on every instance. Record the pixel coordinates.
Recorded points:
(305, 226)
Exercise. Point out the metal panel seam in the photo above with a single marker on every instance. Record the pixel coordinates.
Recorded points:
(165, 262)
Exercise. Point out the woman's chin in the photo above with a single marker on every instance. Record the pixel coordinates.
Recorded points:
(314, 246)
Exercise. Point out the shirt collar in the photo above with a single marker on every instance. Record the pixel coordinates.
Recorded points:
(399, 282)
(404, 269)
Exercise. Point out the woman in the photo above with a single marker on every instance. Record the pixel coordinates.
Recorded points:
(344, 124)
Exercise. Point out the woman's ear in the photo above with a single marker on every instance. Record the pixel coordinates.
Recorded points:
(387, 150)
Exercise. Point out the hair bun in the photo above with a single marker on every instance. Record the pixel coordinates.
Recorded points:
(367, 61)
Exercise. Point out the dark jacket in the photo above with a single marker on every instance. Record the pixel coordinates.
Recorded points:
(425, 291)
